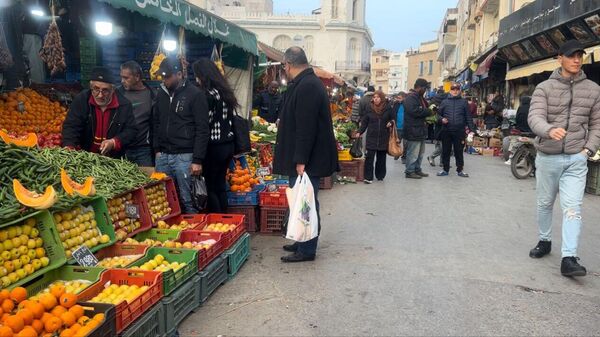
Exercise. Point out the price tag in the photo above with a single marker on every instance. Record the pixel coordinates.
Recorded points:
(84, 257)
(132, 211)
(263, 171)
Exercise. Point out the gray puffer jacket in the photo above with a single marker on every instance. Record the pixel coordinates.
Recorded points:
(571, 104)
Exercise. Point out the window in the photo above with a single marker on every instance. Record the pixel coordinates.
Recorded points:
(353, 49)
(421, 68)
(309, 46)
(430, 67)
(354, 9)
(334, 9)
(282, 42)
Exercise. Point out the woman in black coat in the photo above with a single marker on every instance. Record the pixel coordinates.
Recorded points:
(377, 123)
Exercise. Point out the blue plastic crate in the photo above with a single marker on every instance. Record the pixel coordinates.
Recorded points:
(245, 198)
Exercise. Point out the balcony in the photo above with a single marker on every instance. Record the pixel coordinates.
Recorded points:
(447, 45)
(490, 6)
(352, 66)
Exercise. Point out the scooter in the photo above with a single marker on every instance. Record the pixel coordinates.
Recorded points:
(522, 163)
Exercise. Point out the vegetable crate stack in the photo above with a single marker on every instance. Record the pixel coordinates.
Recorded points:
(273, 208)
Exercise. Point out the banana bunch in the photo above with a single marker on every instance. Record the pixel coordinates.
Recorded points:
(254, 138)
(221, 67)
(156, 61)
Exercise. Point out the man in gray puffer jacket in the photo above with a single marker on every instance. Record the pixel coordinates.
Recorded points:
(565, 115)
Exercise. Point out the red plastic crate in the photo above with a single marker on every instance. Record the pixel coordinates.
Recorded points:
(193, 219)
(250, 216)
(274, 199)
(205, 256)
(229, 238)
(139, 199)
(172, 197)
(126, 312)
(121, 249)
(326, 183)
(271, 219)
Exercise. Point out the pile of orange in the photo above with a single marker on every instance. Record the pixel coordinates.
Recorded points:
(53, 314)
(25, 110)
(241, 179)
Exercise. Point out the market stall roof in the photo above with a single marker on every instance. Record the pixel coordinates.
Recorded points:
(181, 13)
(271, 53)
(549, 64)
(485, 66)
(324, 74)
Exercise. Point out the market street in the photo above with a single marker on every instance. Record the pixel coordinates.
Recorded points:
(441, 256)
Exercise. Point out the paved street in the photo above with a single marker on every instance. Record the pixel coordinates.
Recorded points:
(441, 256)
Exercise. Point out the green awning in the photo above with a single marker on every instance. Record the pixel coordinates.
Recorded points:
(181, 13)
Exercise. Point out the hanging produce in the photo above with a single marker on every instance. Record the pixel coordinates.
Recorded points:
(181, 54)
(216, 58)
(159, 56)
(52, 52)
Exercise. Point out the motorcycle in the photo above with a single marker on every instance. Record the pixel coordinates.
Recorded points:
(522, 163)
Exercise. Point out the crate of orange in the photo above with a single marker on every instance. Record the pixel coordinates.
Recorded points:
(230, 225)
(244, 186)
(55, 313)
(131, 292)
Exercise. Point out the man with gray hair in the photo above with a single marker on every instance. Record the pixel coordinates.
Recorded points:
(305, 141)
(141, 97)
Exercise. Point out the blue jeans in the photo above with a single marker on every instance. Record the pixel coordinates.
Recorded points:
(142, 156)
(178, 167)
(564, 174)
(414, 155)
(309, 247)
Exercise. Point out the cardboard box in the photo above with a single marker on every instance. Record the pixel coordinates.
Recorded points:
(495, 142)
(480, 142)
(488, 152)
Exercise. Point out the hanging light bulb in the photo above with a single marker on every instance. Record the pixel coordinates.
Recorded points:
(104, 28)
(169, 45)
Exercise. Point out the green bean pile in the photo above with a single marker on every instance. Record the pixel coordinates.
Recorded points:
(38, 168)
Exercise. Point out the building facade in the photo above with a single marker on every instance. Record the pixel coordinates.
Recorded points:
(380, 68)
(398, 75)
(335, 36)
(423, 63)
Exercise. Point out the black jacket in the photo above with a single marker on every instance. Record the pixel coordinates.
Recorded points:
(378, 134)
(523, 114)
(415, 112)
(268, 106)
(364, 104)
(456, 110)
(180, 122)
(79, 127)
(305, 133)
(144, 124)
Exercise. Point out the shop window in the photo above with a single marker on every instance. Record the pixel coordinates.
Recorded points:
(430, 67)
(421, 68)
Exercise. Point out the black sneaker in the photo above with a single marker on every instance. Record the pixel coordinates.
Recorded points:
(542, 249)
(413, 176)
(367, 181)
(570, 267)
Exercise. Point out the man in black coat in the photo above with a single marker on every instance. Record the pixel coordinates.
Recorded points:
(454, 115)
(415, 129)
(305, 140)
(100, 119)
(268, 103)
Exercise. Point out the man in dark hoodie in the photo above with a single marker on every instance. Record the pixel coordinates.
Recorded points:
(181, 129)
(523, 114)
(415, 129)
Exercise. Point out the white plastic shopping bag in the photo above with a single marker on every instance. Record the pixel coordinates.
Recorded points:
(303, 223)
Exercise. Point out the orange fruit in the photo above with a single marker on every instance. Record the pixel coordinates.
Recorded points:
(26, 315)
(68, 319)
(38, 326)
(67, 333)
(15, 323)
(77, 310)
(75, 327)
(28, 332)
(37, 309)
(45, 317)
(4, 294)
(48, 301)
(23, 304)
(18, 294)
(57, 290)
(68, 300)
(83, 320)
(58, 310)
(5, 331)
(52, 324)
(7, 305)
(98, 318)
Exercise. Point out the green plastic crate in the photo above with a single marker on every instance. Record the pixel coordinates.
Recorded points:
(237, 255)
(212, 277)
(172, 279)
(103, 222)
(180, 304)
(161, 235)
(149, 325)
(65, 273)
(52, 244)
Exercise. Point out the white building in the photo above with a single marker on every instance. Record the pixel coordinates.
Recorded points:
(398, 74)
(335, 36)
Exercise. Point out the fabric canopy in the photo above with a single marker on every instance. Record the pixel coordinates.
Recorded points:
(324, 74)
(188, 16)
(485, 66)
(271, 53)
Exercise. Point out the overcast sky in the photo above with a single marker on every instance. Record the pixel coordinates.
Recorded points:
(396, 24)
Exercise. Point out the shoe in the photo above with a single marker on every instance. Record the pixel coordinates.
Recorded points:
(542, 249)
(379, 179)
(291, 248)
(422, 174)
(462, 174)
(570, 267)
(442, 174)
(413, 176)
(431, 161)
(366, 181)
(297, 257)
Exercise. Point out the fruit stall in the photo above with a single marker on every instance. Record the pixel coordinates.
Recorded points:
(92, 246)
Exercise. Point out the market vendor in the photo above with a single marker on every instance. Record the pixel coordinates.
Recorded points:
(268, 103)
(100, 119)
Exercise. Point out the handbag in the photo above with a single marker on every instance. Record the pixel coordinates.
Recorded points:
(199, 193)
(394, 144)
(241, 134)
